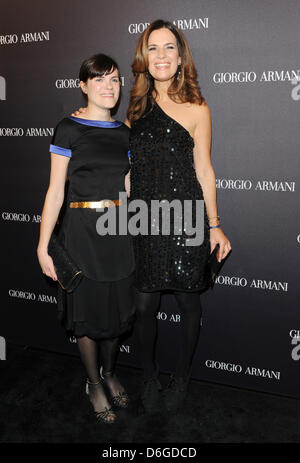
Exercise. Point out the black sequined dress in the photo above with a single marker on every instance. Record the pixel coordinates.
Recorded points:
(162, 168)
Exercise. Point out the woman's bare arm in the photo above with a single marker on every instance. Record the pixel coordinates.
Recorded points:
(52, 205)
(206, 176)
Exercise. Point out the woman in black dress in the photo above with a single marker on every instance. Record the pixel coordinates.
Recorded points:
(92, 151)
(170, 159)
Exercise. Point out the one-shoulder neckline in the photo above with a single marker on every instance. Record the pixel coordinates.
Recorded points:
(93, 123)
(174, 120)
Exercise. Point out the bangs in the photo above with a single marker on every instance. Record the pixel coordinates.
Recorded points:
(97, 66)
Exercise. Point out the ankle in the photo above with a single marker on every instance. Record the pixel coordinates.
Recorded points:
(151, 373)
(93, 383)
(109, 378)
(106, 374)
(182, 375)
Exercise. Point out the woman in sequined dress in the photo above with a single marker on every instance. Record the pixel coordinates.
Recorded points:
(170, 144)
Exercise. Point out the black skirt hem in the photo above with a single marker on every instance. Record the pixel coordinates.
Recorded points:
(80, 329)
(171, 288)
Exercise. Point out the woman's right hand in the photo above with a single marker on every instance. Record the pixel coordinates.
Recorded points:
(79, 112)
(46, 264)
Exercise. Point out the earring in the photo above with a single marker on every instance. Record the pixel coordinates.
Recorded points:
(178, 72)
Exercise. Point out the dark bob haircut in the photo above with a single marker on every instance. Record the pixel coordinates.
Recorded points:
(97, 66)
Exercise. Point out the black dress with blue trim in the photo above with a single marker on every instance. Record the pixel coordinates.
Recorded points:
(102, 305)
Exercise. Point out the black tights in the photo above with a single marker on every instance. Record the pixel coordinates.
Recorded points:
(88, 349)
(147, 305)
(108, 348)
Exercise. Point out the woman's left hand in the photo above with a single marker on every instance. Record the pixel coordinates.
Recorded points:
(218, 237)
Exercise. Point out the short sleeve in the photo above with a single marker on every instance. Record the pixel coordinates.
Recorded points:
(61, 140)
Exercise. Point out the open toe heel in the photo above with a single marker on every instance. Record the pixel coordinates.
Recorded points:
(106, 415)
(119, 400)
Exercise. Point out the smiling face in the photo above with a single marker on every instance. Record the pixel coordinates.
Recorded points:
(163, 55)
(102, 92)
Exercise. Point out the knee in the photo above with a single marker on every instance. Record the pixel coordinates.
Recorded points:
(147, 305)
(145, 310)
(189, 303)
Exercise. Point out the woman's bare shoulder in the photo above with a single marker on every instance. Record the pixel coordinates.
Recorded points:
(200, 111)
(197, 116)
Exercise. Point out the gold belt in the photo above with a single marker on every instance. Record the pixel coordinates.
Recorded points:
(97, 204)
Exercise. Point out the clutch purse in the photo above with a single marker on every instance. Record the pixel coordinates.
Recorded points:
(68, 273)
(214, 266)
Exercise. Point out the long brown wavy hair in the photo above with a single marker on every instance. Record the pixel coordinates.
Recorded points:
(184, 87)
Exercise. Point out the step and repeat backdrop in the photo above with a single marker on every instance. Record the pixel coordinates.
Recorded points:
(247, 56)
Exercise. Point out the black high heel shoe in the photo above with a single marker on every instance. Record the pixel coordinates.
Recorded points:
(150, 394)
(175, 393)
(120, 400)
(106, 416)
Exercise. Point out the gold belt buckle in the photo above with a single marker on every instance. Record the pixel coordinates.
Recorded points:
(96, 204)
(107, 203)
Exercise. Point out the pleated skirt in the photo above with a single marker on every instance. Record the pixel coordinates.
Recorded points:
(98, 309)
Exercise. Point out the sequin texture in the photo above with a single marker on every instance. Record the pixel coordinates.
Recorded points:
(162, 168)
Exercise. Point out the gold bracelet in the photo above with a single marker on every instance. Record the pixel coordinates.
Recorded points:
(216, 217)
